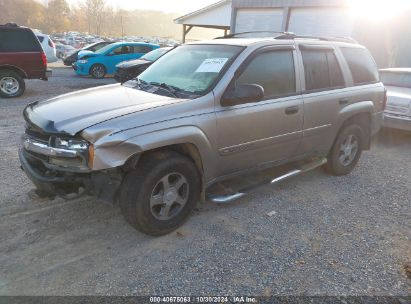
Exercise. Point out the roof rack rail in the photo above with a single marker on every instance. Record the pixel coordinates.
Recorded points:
(291, 35)
(285, 35)
(254, 34)
(11, 24)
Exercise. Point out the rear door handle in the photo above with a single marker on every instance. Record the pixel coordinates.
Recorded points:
(343, 101)
(292, 110)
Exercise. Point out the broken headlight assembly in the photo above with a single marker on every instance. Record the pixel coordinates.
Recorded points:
(83, 153)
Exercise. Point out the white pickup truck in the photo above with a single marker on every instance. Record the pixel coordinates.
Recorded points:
(397, 114)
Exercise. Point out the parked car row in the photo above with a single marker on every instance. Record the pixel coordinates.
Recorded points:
(128, 70)
(104, 61)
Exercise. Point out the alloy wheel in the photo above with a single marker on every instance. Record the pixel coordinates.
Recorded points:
(348, 150)
(169, 196)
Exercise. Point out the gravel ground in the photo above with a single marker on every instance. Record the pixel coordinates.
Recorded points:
(328, 235)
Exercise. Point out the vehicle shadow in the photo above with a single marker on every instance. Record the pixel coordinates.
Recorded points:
(393, 137)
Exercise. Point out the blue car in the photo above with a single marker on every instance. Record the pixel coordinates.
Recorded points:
(104, 61)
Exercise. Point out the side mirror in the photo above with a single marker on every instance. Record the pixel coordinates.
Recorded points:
(243, 93)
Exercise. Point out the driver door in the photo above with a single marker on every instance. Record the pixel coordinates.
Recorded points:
(116, 56)
(268, 131)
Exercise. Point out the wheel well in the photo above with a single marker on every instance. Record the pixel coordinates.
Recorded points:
(94, 64)
(364, 121)
(14, 69)
(187, 149)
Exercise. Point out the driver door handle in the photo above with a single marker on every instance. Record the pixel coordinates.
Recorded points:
(292, 110)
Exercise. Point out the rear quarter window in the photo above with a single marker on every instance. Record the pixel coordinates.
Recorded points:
(142, 49)
(362, 65)
(322, 71)
(18, 40)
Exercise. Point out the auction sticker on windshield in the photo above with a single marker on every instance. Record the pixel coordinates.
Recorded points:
(212, 65)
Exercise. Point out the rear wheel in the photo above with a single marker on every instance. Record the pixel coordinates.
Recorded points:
(160, 194)
(98, 71)
(11, 84)
(346, 150)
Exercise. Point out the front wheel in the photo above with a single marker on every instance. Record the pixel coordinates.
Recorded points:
(11, 84)
(98, 71)
(346, 151)
(160, 194)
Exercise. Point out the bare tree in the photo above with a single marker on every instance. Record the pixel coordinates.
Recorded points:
(95, 14)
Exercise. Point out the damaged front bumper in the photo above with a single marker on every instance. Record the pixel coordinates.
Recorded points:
(102, 184)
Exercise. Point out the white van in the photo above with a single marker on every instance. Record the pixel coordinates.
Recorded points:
(48, 46)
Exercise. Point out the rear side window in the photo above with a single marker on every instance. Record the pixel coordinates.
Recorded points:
(142, 49)
(18, 40)
(361, 64)
(274, 71)
(322, 71)
(41, 38)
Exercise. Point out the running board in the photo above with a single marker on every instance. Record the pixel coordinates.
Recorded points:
(223, 199)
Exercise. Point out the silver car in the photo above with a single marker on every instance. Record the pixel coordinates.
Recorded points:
(397, 114)
(202, 113)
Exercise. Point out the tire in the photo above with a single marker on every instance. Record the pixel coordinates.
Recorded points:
(151, 207)
(11, 84)
(98, 71)
(346, 151)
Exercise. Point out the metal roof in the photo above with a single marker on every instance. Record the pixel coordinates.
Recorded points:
(287, 3)
(212, 15)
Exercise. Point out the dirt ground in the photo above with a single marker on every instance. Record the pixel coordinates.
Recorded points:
(325, 236)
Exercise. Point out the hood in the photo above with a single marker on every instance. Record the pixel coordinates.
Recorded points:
(73, 112)
(132, 63)
(82, 54)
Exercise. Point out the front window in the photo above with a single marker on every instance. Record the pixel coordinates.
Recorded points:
(191, 69)
(104, 49)
(154, 55)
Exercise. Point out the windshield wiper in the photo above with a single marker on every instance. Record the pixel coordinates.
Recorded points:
(171, 89)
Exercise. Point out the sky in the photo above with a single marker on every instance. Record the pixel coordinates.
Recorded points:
(375, 8)
(168, 6)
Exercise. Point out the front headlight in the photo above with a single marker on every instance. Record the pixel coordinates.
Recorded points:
(83, 61)
(70, 144)
(84, 156)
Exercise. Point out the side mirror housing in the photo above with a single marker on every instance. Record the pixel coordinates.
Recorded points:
(243, 93)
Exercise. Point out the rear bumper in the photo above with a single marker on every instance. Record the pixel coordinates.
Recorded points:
(48, 74)
(397, 122)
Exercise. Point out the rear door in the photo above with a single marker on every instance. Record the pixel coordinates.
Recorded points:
(270, 130)
(324, 93)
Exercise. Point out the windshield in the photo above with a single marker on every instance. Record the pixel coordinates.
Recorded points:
(190, 68)
(104, 49)
(154, 55)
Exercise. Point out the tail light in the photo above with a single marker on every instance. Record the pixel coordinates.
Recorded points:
(44, 59)
(384, 104)
(51, 43)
